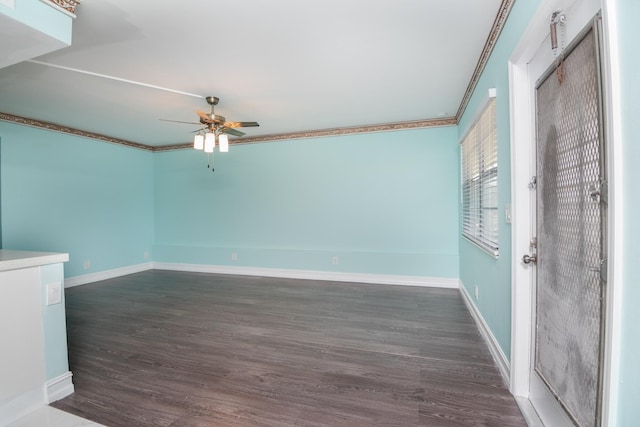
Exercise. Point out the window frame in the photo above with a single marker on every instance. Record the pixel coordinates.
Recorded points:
(479, 179)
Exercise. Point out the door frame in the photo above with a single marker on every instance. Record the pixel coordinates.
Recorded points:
(522, 121)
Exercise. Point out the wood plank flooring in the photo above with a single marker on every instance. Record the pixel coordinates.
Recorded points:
(163, 348)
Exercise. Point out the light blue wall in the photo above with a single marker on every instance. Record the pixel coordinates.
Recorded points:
(493, 276)
(42, 17)
(382, 203)
(628, 392)
(62, 193)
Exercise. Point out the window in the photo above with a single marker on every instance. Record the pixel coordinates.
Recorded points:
(479, 157)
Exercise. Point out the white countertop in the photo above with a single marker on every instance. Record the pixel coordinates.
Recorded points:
(13, 260)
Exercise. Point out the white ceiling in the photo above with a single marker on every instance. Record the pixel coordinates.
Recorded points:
(292, 66)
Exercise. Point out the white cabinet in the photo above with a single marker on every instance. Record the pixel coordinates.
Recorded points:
(24, 340)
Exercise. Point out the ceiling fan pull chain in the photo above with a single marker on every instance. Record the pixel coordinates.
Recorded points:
(210, 161)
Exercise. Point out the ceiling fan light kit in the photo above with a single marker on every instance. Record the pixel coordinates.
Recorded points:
(198, 142)
(216, 128)
(209, 142)
(223, 139)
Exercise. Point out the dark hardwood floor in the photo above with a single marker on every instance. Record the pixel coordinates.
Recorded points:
(163, 348)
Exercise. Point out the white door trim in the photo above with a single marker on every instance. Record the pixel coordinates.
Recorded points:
(613, 132)
(522, 120)
(521, 106)
(521, 292)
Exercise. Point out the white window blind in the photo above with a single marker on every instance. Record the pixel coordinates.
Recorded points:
(479, 158)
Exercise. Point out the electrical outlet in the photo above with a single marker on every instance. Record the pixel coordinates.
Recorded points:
(87, 264)
(334, 260)
(476, 292)
(54, 293)
(234, 256)
(145, 255)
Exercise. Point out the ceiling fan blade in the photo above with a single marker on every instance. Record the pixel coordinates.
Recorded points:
(230, 131)
(241, 124)
(178, 121)
(204, 116)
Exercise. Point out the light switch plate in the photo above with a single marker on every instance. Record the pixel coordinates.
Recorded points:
(54, 293)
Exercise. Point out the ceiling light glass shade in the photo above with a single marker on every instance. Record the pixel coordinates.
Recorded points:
(198, 142)
(209, 142)
(224, 143)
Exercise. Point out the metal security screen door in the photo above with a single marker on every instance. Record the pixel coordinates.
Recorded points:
(571, 216)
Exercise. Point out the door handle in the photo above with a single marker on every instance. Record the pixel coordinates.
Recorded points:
(594, 193)
(527, 259)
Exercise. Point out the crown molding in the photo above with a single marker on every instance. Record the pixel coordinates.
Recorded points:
(71, 131)
(68, 7)
(498, 25)
(322, 133)
(417, 124)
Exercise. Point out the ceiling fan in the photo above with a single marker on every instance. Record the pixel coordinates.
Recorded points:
(219, 123)
(215, 123)
(216, 129)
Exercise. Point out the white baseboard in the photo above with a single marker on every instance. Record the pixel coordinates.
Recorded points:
(382, 279)
(528, 412)
(59, 387)
(21, 405)
(107, 274)
(494, 348)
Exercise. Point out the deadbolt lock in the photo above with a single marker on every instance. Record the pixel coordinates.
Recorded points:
(527, 259)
